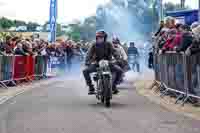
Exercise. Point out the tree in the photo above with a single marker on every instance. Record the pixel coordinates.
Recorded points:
(6, 23)
(59, 31)
(19, 23)
(83, 31)
(88, 29)
(31, 26)
(75, 32)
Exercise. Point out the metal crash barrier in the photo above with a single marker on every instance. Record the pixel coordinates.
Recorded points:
(178, 74)
(16, 68)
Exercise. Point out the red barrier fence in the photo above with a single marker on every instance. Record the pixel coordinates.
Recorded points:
(20, 68)
(15, 68)
(30, 64)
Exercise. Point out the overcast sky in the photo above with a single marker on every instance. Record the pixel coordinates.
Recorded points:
(191, 3)
(68, 10)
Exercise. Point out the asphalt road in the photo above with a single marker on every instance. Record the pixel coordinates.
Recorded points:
(63, 106)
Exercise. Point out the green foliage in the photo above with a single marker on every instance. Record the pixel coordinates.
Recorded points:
(3, 35)
(83, 31)
(31, 26)
(6, 23)
(59, 31)
(19, 23)
(75, 31)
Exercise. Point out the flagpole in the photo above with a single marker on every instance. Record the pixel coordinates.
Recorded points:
(199, 10)
(161, 10)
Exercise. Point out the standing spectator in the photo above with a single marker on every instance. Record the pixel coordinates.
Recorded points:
(42, 50)
(133, 57)
(19, 50)
(195, 47)
(171, 40)
(13, 42)
(186, 39)
(51, 50)
(27, 47)
(162, 24)
(69, 54)
(194, 25)
(7, 46)
(2, 49)
(150, 59)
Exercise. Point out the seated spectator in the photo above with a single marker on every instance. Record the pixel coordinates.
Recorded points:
(186, 38)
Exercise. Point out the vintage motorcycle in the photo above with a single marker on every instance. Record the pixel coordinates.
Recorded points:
(103, 79)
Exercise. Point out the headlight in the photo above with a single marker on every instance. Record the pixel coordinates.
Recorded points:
(103, 63)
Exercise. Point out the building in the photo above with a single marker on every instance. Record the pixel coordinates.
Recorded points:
(21, 28)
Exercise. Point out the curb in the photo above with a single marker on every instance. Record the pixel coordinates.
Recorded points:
(187, 110)
(4, 98)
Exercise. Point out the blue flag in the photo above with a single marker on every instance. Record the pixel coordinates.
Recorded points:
(53, 20)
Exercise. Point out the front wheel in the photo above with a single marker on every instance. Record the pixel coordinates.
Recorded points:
(107, 90)
(102, 99)
(107, 102)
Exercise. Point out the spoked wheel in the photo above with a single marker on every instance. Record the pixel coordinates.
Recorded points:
(102, 100)
(107, 91)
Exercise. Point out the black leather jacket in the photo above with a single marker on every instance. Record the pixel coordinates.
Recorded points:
(95, 53)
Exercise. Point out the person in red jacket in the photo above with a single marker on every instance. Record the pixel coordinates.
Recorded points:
(175, 38)
(170, 38)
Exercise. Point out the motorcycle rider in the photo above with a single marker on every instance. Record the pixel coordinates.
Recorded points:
(123, 61)
(133, 52)
(99, 50)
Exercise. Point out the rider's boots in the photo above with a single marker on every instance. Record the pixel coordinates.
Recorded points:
(115, 90)
(91, 90)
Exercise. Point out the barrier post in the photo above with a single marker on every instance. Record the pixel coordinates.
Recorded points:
(198, 76)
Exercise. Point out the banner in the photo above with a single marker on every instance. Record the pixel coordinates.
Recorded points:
(53, 20)
(185, 16)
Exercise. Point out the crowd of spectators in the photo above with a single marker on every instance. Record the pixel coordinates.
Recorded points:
(177, 37)
(25, 47)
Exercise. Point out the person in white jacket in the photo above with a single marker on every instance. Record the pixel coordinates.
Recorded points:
(123, 62)
(120, 49)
